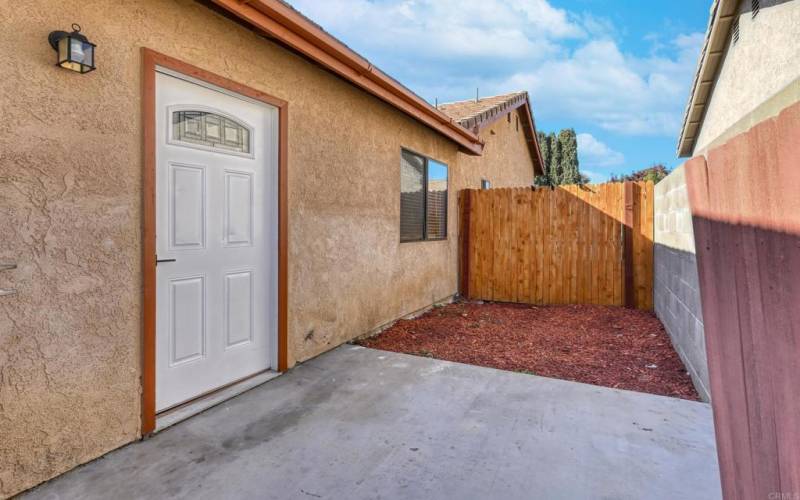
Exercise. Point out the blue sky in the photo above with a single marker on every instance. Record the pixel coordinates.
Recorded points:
(618, 71)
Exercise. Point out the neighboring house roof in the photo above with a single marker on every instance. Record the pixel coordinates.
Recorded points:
(440, 185)
(723, 12)
(279, 21)
(472, 112)
(477, 114)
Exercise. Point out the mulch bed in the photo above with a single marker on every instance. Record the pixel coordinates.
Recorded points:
(601, 345)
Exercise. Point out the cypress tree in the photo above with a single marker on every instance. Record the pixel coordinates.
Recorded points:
(544, 148)
(555, 172)
(568, 145)
(560, 158)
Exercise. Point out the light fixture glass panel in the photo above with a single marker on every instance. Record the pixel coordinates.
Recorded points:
(77, 55)
(88, 51)
(63, 50)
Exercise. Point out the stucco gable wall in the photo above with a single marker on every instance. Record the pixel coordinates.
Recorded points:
(506, 160)
(70, 205)
(764, 62)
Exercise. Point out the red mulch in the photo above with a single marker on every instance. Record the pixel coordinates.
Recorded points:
(601, 345)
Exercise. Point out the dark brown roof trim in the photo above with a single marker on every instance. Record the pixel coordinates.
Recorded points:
(531, 137)
(282, 22)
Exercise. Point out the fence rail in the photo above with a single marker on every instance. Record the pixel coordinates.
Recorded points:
(573, 244)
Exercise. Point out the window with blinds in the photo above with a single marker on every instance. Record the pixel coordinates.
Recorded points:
(423, 198)
(412, 197)
(436, 202)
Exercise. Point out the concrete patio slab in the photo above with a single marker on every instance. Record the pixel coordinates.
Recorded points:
(360, 423)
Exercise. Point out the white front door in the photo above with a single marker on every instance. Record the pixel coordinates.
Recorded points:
(216, 230)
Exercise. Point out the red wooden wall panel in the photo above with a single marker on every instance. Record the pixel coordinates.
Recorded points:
(745, 199)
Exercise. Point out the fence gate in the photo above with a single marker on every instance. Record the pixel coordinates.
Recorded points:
(569, 245)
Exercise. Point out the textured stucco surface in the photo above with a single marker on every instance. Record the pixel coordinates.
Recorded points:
(762, 63)
(676, 290)
(70, 199)
(506, 159)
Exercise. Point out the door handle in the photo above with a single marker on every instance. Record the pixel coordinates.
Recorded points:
(165, 260)
(7, 266)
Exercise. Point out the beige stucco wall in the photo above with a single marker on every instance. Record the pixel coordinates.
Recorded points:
(764, 62)
(506, 159)
(70, 206)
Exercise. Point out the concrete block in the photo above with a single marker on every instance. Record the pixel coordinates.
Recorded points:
(675, 281)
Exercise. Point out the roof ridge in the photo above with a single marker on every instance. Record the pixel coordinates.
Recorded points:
(518, 92)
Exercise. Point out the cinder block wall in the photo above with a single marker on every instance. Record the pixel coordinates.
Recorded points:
(675, 288)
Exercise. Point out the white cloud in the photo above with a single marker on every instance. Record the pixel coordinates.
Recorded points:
(594, 153)
(617, 92)
(419, 30)
(569, 62)
(447, 48)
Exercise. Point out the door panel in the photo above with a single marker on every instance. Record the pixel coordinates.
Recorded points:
(238, 228)
(187, 323)
(239, 308)
(216, 201)
(187, 206)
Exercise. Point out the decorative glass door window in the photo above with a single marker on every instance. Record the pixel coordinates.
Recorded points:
(210, 130)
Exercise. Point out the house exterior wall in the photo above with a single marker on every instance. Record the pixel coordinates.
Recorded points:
(676, 293)
(71, 204)
(764, 62)
(506, 159)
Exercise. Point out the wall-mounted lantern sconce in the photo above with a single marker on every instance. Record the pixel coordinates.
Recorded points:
(75, 51)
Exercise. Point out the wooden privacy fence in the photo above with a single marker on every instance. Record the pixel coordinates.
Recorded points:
(569, 245)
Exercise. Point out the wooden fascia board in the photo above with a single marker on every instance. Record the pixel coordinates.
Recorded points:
(533, 142)
(286, 25)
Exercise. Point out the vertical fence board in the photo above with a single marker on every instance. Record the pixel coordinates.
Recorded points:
(521, 204)
(560, 246)
(541, 246)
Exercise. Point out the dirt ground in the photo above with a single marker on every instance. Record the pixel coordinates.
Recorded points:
(601, 345)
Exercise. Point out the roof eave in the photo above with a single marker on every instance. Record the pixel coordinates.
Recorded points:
(283, 23)
(722, 14)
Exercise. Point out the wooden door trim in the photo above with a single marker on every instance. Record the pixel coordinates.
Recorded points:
(150, 60)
